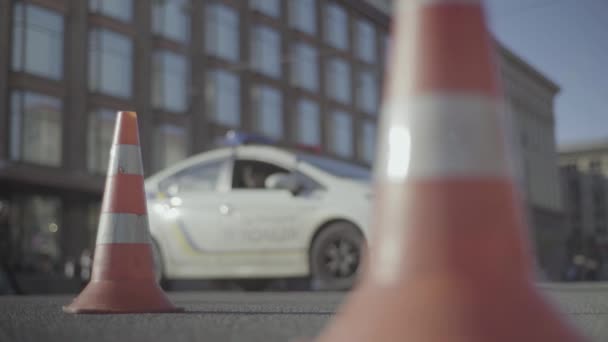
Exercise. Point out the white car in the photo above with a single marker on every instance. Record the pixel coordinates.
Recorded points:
(252, 213)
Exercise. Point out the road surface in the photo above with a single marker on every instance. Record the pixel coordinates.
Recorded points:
(237, 316)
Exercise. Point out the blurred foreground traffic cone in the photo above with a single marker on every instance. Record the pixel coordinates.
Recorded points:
(449, 259)
(123, 278)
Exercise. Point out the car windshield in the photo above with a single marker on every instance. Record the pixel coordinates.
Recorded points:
(337, 168)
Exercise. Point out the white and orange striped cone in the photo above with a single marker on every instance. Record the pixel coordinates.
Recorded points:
(449, 259)
(123, 278)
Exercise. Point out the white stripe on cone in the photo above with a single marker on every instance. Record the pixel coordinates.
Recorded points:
(122, 228)
(125, 159)
(439, 136)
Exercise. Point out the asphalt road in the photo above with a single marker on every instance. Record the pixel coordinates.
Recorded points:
(236, 316)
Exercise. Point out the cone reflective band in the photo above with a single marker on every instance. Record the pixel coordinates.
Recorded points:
(448, 257)
(123, 279)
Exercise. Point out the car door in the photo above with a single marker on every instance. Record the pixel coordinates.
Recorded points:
(193, 199)
(260, 219)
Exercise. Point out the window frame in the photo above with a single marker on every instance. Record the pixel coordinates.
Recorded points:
(211, 33)
(161, 158)
(160, 71)
(17, 146)
(211, 99)
(19, 45)
(98, 67)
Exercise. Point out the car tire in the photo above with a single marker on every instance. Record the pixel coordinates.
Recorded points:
(335, 257)
(159, 273)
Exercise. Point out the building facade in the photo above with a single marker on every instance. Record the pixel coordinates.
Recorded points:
(584, 171)
(297, 71)
(530, 100)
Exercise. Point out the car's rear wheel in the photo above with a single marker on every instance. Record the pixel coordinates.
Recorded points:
(335, 257)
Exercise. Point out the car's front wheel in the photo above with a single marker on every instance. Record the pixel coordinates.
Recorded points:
(335, 257)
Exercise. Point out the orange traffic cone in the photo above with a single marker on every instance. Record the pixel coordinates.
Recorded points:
(449, 259)
(123, 279)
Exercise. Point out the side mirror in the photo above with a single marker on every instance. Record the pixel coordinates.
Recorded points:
(282, 181)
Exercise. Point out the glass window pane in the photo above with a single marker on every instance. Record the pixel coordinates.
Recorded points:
(117, 9)
(267, 109)
(302, 15)
(222, 32)
(338, 80)
(336, 26)
(366, 41)
(16, 125)
(37, 41)
(269, 7)
(368, 141)
(171, 19)
(367, 92)
(170, 79)
(110, 63)
(200, 177)
(40, 222)
(223, 97)
(307, 126)
(171, 145)
(266, 51)
(39, 136)
(341, 139)
(304, 66)
(100, 134)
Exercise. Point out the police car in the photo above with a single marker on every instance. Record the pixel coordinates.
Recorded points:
(251, 212)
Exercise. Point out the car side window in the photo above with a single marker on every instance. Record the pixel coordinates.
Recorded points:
(199, 177)
(307, 184)
(252, 174)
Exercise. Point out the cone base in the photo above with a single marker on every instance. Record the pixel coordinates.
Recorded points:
(440, 308)
(124, 296)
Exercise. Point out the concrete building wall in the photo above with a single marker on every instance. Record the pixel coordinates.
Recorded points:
(529, 98)
(584, 171)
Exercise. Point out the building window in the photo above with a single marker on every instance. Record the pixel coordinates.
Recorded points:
(338, 80)
(171, 145)
(171, 19)
(385, 44)
(37, 41)
(336, 26)
(304, 67)
(307, 127)
(170, 81)
(271, 8)
(39, 227)
(110, 63)
(100, 134)
(341, 137)
(93, 211)
(266, 51)
(366, 41)
(595, 166)
(267, 111)
(117, 9)
(35, 130)
(302, 15)
(367, 92)
(367, 141)
(223, 97)
(222, 32)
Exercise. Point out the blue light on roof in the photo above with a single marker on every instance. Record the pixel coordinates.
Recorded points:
(234, 138)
